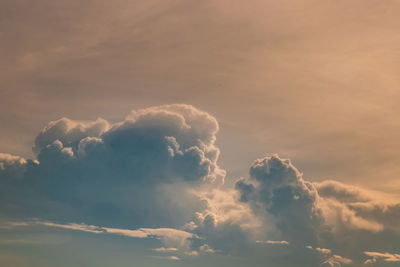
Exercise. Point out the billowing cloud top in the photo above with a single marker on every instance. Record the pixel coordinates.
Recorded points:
(155, 175)
(280, 190)
(130, 171)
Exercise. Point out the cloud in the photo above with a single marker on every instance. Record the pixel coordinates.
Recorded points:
(11, 167)
(155, 174)
(336, 261)
(168, 234)
(69, 132)
(163, 249)
(138, 170)
(379, 256)
(324, 250)
(74, 226)
(343, 193)
(330, 260)
(360, 208)
(177, 241)
(322, 214)
(174, 258)
(277, 188)
(222, 206)
(273, 242)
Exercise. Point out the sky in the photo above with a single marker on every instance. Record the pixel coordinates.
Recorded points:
(185, 133)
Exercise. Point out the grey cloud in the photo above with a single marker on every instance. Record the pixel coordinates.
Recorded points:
(378, 207)
(107, 173)
(327, 214)
(341, 192)
(12, 167)
(158, 168)
(277, 187)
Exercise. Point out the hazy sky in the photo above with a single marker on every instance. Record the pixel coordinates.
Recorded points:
(314, 81)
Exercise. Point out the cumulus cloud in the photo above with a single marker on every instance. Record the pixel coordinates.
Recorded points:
(69, 132)
(157, 172)
(13, 164)
(151, 170)
(326, 213)
(130, 171)
(276, 187)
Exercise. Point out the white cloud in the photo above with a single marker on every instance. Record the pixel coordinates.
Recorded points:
(223, 206)
(168, 234)
(163, 249)
(324, 250)
(336, 261)
(74, 226)
(273, 242)
(175, 240)
(328, 259)
(385, 256)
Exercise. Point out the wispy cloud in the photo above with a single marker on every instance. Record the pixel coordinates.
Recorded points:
(74, 226)
(336, 260)
(174, 258)
(385, 256)
(273, 242)
(163, 249)
(320, 250)
(175, 240)
(330, 260)
(167, 233)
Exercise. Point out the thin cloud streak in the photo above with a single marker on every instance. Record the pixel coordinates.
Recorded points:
(273, 242)
(139, 233)
(166, 235)
(384, 256)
